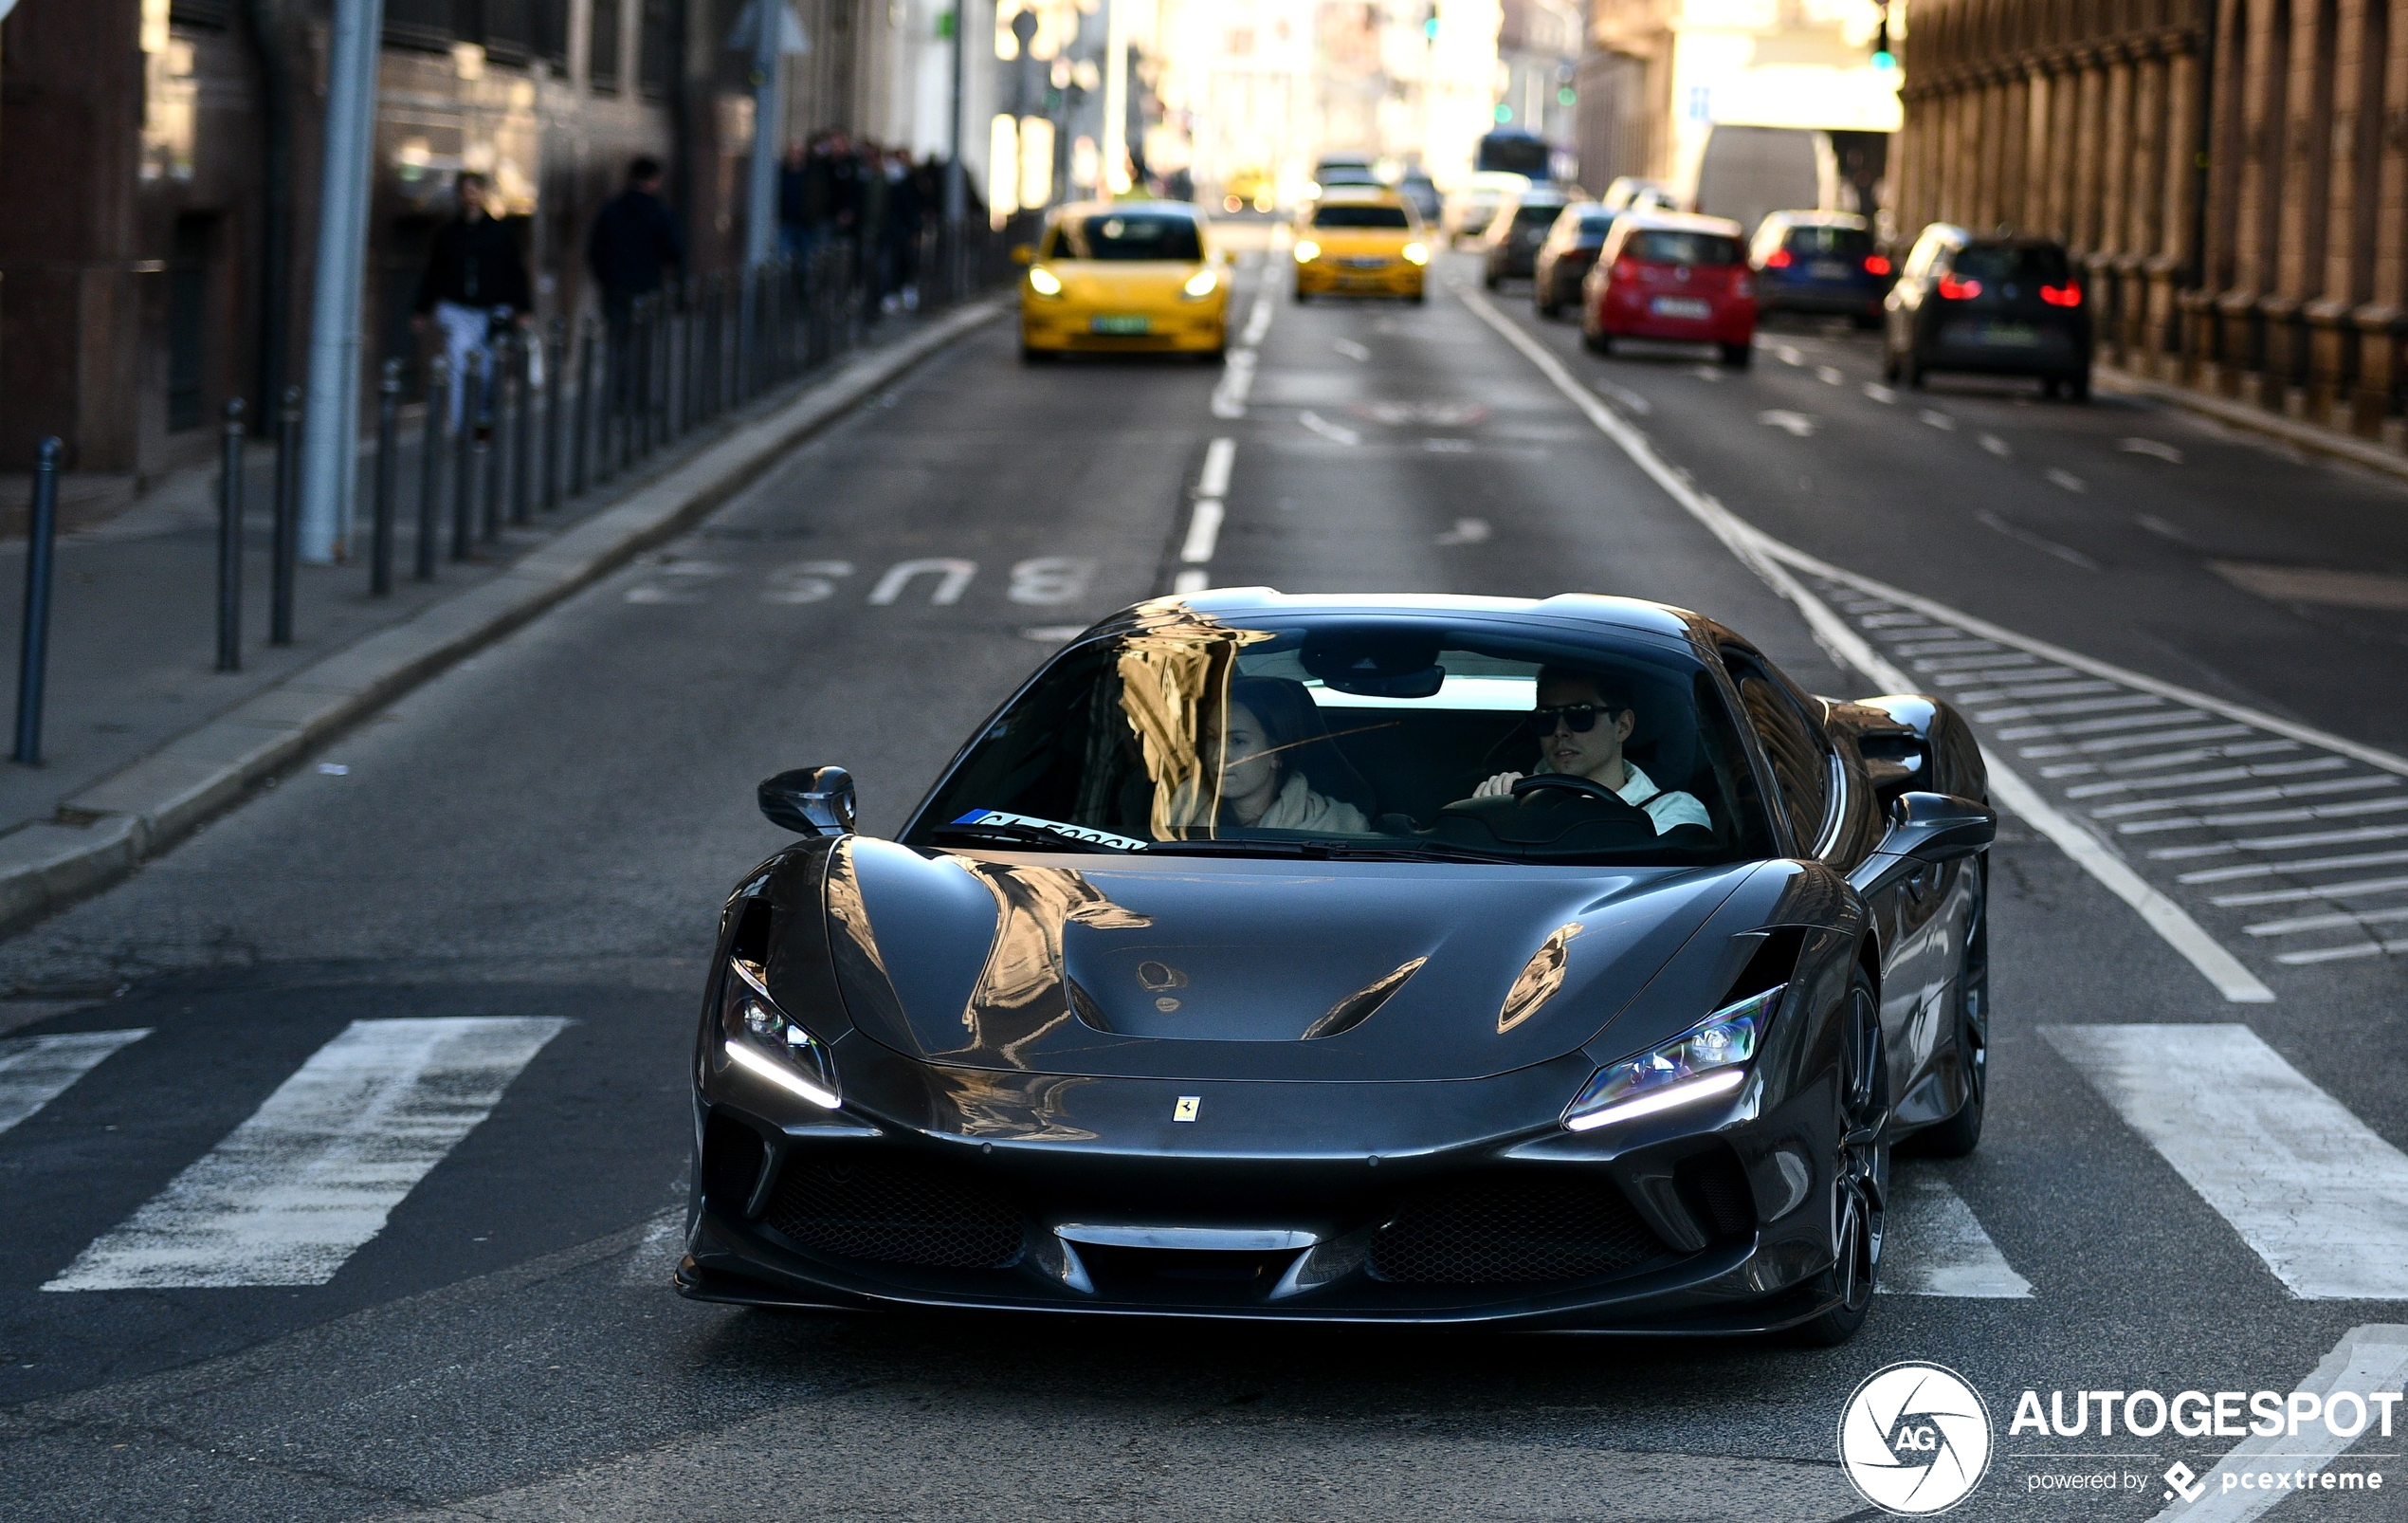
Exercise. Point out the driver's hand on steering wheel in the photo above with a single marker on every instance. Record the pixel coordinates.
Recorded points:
(1497, 786)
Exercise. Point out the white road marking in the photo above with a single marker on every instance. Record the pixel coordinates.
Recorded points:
(2245, 795)
(2264, 816)
(1629, 399)
(806, 581)
(2334, 954)
(1881, 394)
(1352, 350)
(2068, 480)
(1829, 376)
(295, 1190)
(1219, 456)
(1938, 419)
(2023, 535)
(1798, 424)
(2152, 447)
(1043, 581)
(1053, 633)
(1237, 380)
(1771, 559)
(953, 578)
(1194, 580)
(2184, 779)
(2368, 1359)
(1334, 432)
(2283, 843)
(1996, 446)
(2308, 864)
(1788, 354)
(2094, 706)
(1203, 531)
(654, 1260)
(1466, 531)
(1934, 1246)
(2322, 890)
(1708, 373)
(35, 1071)
(2314, 1192)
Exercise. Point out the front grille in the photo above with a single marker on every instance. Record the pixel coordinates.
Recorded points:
(1512, 1230)
(895, 1211)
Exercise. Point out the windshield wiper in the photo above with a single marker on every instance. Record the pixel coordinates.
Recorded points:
(994, 824)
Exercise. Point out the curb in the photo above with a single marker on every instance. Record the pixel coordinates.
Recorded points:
(2292, 432)
(137, 813)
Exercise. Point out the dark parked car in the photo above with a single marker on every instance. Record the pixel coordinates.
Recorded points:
(1359, 959)
(1819, 262)
(1671, 276)
(1564, 260)
(1993, 306)
(1421, 191)
(1510, 247)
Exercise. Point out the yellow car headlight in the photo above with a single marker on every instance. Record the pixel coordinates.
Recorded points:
(1416, 254)
(1043, 281)
(1306, 250)
(1201, 284)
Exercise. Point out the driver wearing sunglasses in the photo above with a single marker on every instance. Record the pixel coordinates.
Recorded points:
(1581, 727)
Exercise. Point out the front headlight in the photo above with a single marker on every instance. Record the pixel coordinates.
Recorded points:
(1709, 1059)
(1201, 284)
(1043, 281)
(1306, 250)
(1416, 254)
(765, 1040)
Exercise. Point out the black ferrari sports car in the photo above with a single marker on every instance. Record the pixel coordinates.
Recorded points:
(1553, 964)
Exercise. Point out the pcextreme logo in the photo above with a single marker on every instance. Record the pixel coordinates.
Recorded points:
(1914, 1438)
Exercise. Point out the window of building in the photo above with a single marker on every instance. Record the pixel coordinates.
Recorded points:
(657, 60)
(602, 55)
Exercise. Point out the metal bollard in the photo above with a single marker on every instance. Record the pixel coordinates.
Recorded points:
(588, 399)
(556, 386)
(430, 468)
(230, 540)
(522, 434)
(33, 650)
(496, 432)
(380, 534)
(285, 549)
(470, 384)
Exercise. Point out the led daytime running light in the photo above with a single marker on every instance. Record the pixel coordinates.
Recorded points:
(1709, 1059)
(765, 1041)
(1679, 1095)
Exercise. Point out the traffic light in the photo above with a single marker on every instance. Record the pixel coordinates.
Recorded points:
(1884, 59)
(1429, 22)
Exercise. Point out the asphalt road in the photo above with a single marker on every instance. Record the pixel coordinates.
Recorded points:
(542, 836)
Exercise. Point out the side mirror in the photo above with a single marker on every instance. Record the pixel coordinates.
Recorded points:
(809, 800)
(1024, 253)
(1926, 829)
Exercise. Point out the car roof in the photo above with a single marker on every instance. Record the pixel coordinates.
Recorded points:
(1820, 219)
(1629, 614)
(1681, 222)
(1544, 196)
(1371, 195)
(1097, 209)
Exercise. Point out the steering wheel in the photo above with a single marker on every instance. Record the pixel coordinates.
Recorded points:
(1570, 784)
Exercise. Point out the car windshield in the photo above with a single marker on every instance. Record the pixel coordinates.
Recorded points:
(1537, 215)
(1366, 736)
(1658, 246)
(1132, 235)
(1595, 228)
(2031, 264)
(1360, 217)
(1828, 243)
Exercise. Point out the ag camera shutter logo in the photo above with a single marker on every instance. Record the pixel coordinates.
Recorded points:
(1914, 1438)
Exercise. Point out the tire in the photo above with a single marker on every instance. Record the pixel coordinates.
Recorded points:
(1961, 1133)
(2052, 387)
(2079, 387)
(1600, 342)
(1914, 371)
(1860, 1195)
(1419, 298)
(1037, 356)
(1865, 321)
(1301, 296)
(1738, 356)
(1888, 368)
(1490, 281)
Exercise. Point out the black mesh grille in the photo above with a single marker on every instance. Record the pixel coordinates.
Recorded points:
(1512, 1231)
(895, 1212)
(1718, 1193)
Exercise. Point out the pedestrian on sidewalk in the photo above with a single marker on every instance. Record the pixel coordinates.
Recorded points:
(476, 280)
(634, 242)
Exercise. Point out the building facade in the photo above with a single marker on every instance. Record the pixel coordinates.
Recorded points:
(2233, 173)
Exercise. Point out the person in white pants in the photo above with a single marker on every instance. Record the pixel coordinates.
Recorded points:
(475, 276)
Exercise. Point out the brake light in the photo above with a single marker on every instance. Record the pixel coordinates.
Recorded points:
(1875, 264)
(1625, 270)
(2067, 295)
(1953, 289)
(1778, 261)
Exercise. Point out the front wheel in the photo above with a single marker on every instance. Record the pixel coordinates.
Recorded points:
(1860, 1189)
(1738, 356)
(1599, 342)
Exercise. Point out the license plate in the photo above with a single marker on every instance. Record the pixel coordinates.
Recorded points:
(1682, 306)
(2011, 335)
(1830, 270)
(1120, 325)
(1373, 262)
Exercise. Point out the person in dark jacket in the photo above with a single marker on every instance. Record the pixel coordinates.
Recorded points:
(476, 277)
(632, 245)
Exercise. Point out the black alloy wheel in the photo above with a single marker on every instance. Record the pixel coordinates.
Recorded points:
(1860, 1187)
(1962, 1133)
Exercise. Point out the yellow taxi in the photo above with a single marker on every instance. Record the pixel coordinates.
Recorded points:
(1359, 240)
(1124, 277)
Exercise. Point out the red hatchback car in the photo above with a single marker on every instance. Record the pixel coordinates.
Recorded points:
(1671, 276)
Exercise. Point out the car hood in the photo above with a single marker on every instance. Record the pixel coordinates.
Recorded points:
(1247, 968)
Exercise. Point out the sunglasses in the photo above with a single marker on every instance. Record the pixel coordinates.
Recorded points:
(1577, 718)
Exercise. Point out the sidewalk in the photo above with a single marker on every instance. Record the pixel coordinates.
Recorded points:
(143, 740)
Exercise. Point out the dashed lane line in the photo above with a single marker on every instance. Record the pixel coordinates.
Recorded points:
(1772, 562)
(2315, 1192)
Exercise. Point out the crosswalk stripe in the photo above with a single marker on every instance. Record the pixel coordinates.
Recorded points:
(2313, 1190)
(2368, 1360)
(35, 1071)
(297, 1188)
(1934, 1246)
